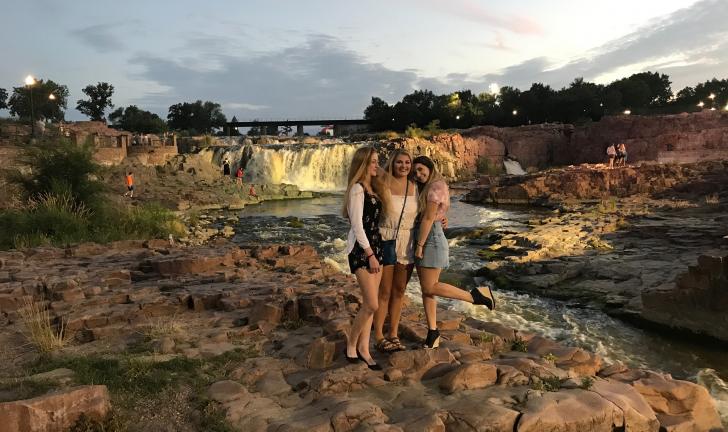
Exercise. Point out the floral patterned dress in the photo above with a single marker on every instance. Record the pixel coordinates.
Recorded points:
(370, 218)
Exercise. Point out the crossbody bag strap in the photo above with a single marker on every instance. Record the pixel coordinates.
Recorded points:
(404, 204)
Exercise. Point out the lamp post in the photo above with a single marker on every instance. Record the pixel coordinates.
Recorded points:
(30, 81)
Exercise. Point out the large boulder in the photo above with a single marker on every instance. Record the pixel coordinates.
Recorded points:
(55, 412)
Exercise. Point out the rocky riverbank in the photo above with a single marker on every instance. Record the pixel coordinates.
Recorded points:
(627, 240)
(186, 338)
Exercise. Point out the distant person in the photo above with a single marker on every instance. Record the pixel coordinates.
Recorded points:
(251, 191)
(611, 154)
(621, 154)
(129, 185)
(226, 168)
(239, 177)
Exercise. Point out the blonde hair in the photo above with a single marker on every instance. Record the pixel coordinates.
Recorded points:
(435, 176)
(358, 172)
(389, 167)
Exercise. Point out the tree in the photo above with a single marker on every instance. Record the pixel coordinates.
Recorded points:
(379, 113)
(44, 108)
(234, 130)
(3, 98)
(196, 117)
(133, 119)
(99, 99)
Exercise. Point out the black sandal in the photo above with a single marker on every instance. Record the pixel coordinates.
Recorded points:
(433, 339)
(479, 298)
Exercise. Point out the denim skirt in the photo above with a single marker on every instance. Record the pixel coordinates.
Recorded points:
(436, 251)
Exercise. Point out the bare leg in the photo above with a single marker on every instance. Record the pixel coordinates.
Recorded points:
(402, 275)
(361, 328)
(385, 288)
(432, 287)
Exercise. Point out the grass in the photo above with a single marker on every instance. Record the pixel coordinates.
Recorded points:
(41, 332)
(156, 328)
(550, 384)
(712, 199)
(518, 344)
(550, 358)
(142, 388)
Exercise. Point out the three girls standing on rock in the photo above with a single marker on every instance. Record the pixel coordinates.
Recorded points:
(395, 226)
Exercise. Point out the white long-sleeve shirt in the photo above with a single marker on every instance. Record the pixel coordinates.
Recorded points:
(355, 208)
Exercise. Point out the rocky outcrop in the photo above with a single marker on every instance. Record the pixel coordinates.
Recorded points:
(697, 302)
(56, 412)
(280, 302)
(590, 182)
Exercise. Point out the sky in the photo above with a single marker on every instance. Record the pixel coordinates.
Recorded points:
(295, 59)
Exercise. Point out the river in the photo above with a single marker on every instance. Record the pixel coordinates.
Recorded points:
(571, 323)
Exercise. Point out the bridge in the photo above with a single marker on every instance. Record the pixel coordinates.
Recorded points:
(273, 125)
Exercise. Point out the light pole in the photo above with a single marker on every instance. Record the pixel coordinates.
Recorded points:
(30, 81)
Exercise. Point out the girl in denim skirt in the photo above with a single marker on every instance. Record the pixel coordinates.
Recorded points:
(432, 251)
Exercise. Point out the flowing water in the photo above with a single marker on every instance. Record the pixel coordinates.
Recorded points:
(569, 323)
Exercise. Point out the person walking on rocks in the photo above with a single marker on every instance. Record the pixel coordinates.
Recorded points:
(366, 199)
(397, 230)
(239, 177)
(611, 154)
(129, 185)
(431, 250)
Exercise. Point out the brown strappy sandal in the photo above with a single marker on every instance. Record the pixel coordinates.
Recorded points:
(385, 346)
(398, 344)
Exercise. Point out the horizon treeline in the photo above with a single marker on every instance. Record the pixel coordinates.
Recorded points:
(644, 93)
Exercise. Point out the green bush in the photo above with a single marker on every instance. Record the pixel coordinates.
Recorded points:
(59, 167)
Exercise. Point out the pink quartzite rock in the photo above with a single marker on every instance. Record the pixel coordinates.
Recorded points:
(55, 412)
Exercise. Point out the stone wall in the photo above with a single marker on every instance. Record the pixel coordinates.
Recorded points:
(152, 155)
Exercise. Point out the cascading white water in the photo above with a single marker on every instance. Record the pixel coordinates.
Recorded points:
(513, 167)
(321, 167)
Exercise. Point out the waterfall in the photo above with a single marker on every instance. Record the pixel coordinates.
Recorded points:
(513, 167)
(312, 167)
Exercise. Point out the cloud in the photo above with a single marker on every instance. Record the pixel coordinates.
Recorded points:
(99, 37)
(319, 77)
(696, 34)
(472, 11)
(499, 43)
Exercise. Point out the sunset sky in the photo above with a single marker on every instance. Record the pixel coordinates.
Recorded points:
(315, 58)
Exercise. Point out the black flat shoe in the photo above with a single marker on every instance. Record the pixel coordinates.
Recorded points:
(433, 339)
(374, 367)
(480, 297)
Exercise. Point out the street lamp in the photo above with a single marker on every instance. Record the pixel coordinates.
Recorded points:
(515, 112)
(30, 82)
(701, 104)
(627, 112)
(457, 117)
(52, 96)
(712, 96)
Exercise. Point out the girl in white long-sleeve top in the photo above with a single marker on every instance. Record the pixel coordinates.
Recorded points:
(366, 197)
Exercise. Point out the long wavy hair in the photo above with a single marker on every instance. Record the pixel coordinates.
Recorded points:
(358, 172)
(389, 167)
(424, 188)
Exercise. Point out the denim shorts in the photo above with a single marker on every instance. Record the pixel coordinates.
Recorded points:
(389, 252)
(436, 251)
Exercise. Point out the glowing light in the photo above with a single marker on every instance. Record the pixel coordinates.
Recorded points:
(712, 96)
(29, 80)
(627, 112)
(712, 109)
(726, 107)
(52, 96)
(515, 112)
(494, 88)
(457, 117)
(701, 104)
